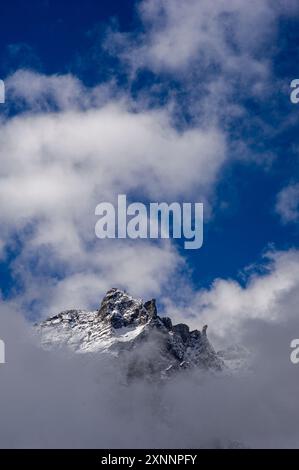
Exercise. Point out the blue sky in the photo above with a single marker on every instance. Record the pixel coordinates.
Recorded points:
(232, 78)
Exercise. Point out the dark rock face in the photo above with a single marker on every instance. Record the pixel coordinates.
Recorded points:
(150, 306)
(183, 331)
(167, 323)
(133, 331)
(122, 310)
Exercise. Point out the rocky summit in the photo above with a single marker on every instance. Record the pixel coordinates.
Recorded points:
(132, 331)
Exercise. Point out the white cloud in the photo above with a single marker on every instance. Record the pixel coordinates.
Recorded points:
(287, 204)
(142, 269)
(180, 36)
(219, 32)
(38, 92)
(227, 305)
(108, 147)
(57, 166)
(212, 51)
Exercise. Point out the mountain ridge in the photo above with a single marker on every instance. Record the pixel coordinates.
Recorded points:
(126, 327)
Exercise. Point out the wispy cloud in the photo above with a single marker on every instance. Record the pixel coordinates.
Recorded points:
(287, 204)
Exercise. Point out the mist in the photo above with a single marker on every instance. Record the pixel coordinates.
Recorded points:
(58, 399)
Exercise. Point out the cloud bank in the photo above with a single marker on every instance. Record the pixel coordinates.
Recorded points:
(51, 399)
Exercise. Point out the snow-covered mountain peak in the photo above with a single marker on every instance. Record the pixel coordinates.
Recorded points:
(123, 310)
(127, 327)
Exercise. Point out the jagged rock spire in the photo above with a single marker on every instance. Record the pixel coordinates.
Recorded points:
(151, 307)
